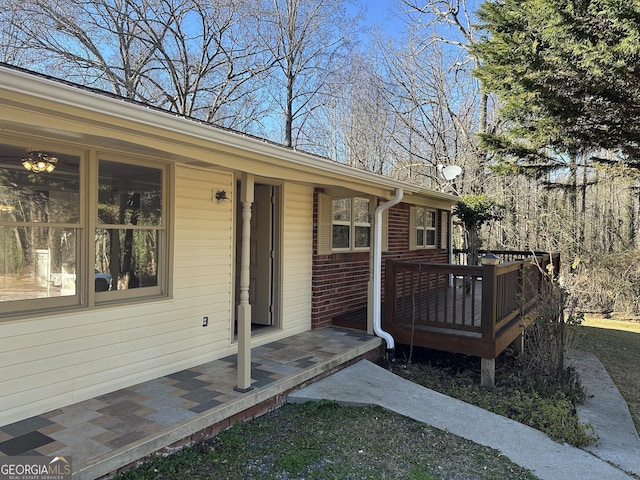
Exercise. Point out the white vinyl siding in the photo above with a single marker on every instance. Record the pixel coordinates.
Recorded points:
(57, 360)
(297, 248)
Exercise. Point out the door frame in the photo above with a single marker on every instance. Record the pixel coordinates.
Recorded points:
(275, 264)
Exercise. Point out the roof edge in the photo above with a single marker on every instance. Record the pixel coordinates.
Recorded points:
(36, 85)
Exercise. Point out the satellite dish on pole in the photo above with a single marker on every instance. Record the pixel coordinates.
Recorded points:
(451, 172)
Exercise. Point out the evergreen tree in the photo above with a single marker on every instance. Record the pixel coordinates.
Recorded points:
(568, 75)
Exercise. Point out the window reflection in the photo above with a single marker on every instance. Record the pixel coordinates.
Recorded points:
(39, 226)
(126, 258)
(129, 209)
(129, 194)
(37, 262)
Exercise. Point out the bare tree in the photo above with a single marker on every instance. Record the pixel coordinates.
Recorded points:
(435, 106)
(191, 57)
(368, 127)
(93, 43)
(210, 60)
(451, 23)
(307, 40)
(10, 37)
(355, 127)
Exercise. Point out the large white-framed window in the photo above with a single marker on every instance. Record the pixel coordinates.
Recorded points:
(422, 228)
(350, 223)
(91, 229)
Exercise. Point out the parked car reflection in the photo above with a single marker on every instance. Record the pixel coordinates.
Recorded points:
(102, 281)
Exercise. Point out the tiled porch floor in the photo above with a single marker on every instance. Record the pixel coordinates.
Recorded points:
(107, 432)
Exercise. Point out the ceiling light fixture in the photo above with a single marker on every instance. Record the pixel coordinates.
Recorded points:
(38, 162)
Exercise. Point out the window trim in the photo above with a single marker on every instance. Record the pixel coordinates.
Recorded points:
(324, 232)
(352, 224)
(78, 299)
(414, 228)
(164, 263)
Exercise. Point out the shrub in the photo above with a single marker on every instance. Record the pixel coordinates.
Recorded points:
(607, 282)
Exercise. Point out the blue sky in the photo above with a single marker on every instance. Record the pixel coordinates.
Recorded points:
(382, 12)
(385, 13)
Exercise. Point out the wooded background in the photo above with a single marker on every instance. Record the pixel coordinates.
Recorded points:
(450, 84)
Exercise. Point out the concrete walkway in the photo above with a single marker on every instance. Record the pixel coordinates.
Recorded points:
(365, 383)
(607, 412)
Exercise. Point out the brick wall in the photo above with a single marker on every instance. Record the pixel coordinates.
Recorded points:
(340, 280)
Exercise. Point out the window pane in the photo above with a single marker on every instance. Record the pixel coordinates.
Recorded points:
(430, 220)
(431, 237)
(126, 259)
(37, 262)
(129, 194)
(51, 197)
(361, 209)
(340, 237)
(363, 236)
(420, 237)
(420, 217)
(341, 210)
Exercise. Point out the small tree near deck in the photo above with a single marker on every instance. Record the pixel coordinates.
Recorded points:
(475, 211)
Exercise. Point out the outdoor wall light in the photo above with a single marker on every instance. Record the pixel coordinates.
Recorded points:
(221, 196)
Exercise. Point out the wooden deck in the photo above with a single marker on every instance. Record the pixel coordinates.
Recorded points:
(474, 310)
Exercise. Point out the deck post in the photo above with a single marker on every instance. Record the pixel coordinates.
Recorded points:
(489, 301)
(488, 372)
(488, 321)
(518, 344)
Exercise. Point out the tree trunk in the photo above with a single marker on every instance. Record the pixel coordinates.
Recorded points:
(288, 113)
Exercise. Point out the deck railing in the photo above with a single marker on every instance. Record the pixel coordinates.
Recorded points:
(460, 256)
(475, 299)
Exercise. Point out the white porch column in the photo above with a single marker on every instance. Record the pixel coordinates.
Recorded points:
(244, 308)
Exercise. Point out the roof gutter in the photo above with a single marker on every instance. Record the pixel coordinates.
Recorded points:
(377, 273)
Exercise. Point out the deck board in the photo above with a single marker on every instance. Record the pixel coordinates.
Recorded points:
(452, 307)
(433, 314)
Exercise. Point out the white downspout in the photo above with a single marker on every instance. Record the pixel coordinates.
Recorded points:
(377, 272)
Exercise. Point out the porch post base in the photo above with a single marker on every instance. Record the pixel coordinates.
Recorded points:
(488, 372)
(243, 390)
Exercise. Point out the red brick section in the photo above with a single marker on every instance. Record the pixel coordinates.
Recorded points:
(340, 280)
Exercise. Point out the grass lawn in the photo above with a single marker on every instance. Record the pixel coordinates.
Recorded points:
(328, 441)
(616, 342)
